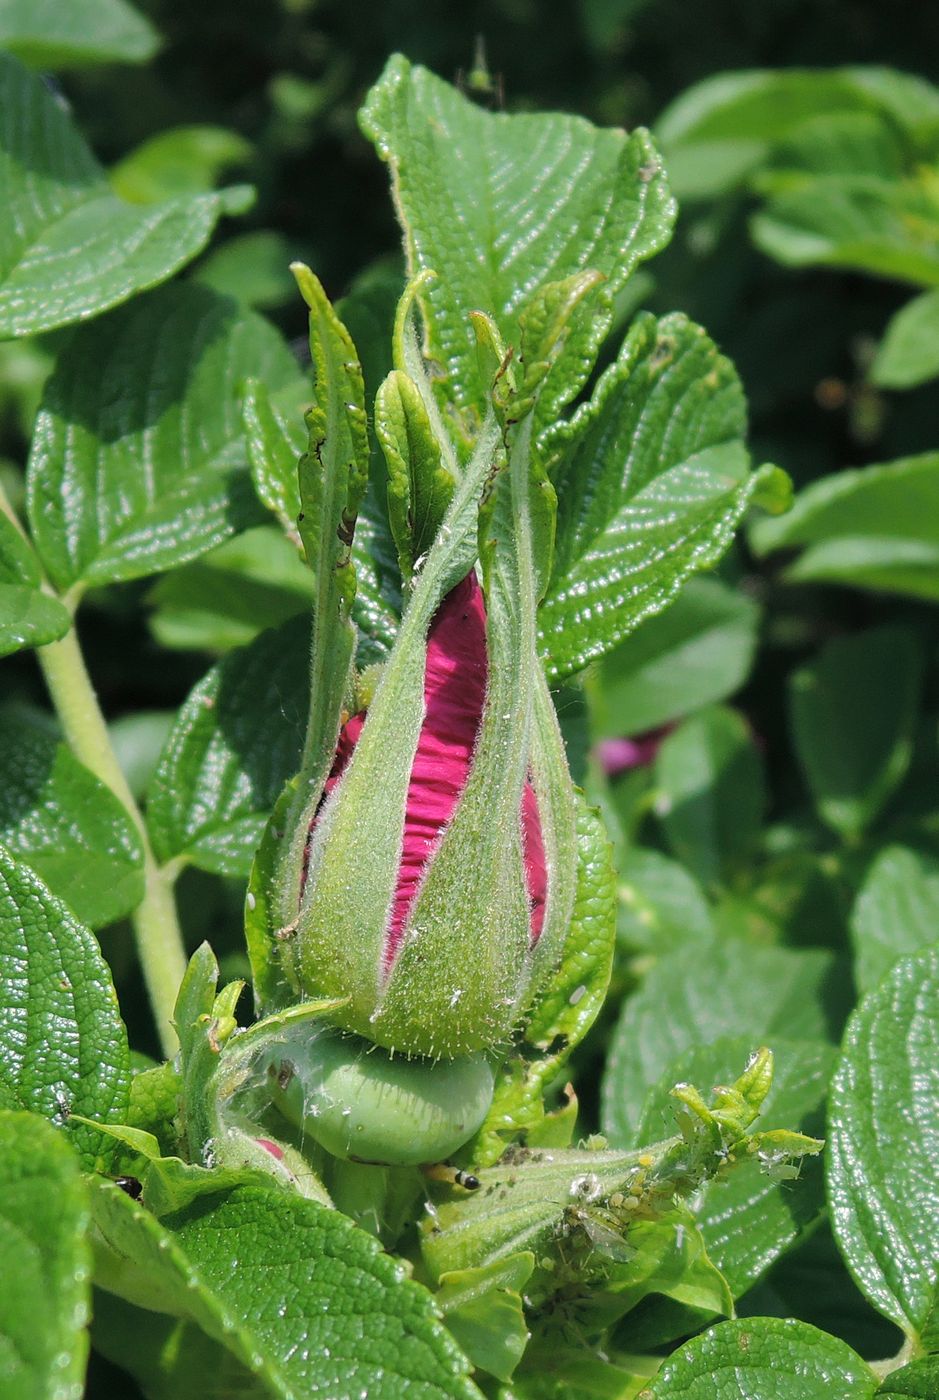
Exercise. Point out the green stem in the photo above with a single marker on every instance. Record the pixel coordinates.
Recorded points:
(156, 925)
(155, 921)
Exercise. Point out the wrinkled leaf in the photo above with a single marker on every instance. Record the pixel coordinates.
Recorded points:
(300, 1295)
(253, 267)
(748, 1220)
(882, 1182)
(498, 206)
(186, 160)
(763, 1358)
(64, 822)
(28, 618)
(875, 527)
(237, 740)
(44, 1290)
(691, 998)
(652, 478)
(660, 906)
(225, 599)
(138, 462)
(483, 1309)
(888, 228)
(920, 1381)
(896, 912)
(72, 249)
(63, 1047)
(697, 651)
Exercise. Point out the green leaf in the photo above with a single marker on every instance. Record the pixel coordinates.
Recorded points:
(483, 1309)
(187, 160)
(557, 1370)
(853, 711)
(875, 527)
(138, 462)
(72, 249)
(763, 1358)
(815, 1269)
(747, 1219)
(909, 352)
(306, 1279)
(569, 1004)
(896, 912)
(882, 1181)
(535, 198)
(170, 1358)
(45, 1292)
(66, 824)
(698, 651)
(690, 998)
(652, 478)
(252, 267)
(886, 227)
(721, 129)
(835, 144)
(285, 1285)
(660, 905)
(919, 1381)
(49, 34)
(670, 1262)
(711, 793)
(225, 599)
(63, 1047)
(28, 618)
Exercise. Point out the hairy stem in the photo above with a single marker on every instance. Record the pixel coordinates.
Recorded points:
(156, 925)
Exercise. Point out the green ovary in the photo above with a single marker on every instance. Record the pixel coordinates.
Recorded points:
(361, 1104)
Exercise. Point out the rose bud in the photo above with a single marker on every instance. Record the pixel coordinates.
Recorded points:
(441, 958)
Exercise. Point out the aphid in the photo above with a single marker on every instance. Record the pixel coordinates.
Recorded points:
(599, 1228)
(453, 1176)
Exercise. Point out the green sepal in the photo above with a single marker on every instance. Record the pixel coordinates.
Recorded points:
(575, 1209)
(567, 1005)
(355, 849)
(407, 357)
(420, 486)
(265, 934)
(333, 476)
(483, 1309)
(544, 326)
(494, 361)
(167, 1184)
(204, 1021)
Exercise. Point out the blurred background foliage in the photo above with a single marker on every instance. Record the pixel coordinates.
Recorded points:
(765, 751)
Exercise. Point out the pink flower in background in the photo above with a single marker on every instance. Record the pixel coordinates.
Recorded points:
(622, 755)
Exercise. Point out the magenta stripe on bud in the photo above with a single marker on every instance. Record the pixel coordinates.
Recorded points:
(455, 678)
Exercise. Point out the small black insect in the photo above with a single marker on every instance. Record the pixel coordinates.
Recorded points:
(131, 1185)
